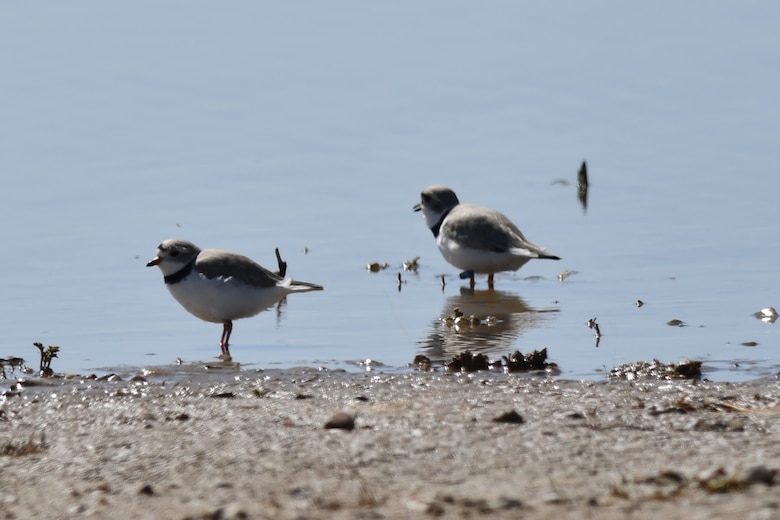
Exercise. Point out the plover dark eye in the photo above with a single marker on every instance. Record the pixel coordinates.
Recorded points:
(425, 197)
(175, 252)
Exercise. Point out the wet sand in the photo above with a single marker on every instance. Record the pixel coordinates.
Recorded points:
(252, 444)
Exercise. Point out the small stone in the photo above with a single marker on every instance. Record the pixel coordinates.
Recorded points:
(103, 487)
(341, 421)
(505, 502)
(509, 417)
(434, 509)
(760, 475)
(146, 490)
(223, 395)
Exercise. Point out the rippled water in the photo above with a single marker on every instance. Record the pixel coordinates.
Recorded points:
(263, 125)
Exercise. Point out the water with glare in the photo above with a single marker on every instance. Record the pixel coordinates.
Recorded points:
(313, 127)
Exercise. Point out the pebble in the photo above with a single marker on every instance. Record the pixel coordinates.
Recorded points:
(760, 474)
(341, 421)
(509, 417)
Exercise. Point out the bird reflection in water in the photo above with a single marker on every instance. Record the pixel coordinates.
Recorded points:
(502, 318)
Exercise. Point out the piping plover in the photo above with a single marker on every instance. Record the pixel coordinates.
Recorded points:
(475, 239)
(220, 286)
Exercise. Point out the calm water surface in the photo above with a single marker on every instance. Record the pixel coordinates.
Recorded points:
(313, 129)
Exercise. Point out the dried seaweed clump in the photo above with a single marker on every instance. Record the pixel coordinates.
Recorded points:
(422, 362)
(21, 448)
(722, 482)
(657, 370)
(468, 362)
(517, 362)
(47, 355)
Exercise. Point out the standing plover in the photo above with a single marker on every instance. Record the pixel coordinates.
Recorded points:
(220, 286)
(473, 238)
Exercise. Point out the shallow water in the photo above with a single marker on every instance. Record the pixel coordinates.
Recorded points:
(314, 130)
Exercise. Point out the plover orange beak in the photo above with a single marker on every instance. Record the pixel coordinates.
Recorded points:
(156, 260)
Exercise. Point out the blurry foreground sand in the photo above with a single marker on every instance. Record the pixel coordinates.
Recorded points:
(251, 444)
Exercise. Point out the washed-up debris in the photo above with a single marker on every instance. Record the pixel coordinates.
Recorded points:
(340, 421)
(716, 481)
(375, 267)
(639, 303)
(517, 362)
(468, 505)
(422, 362)
(468, 362)
(412, 265)
(47, 355)
(722, 482)
(767, 315)
(511, 417)
(749, 344)
(582, 186)
(676, 323)
(561, 276)
(657, 370)
(591, 324)
(21, 448)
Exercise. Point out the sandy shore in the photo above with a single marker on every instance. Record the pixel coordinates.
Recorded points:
(252, 444)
